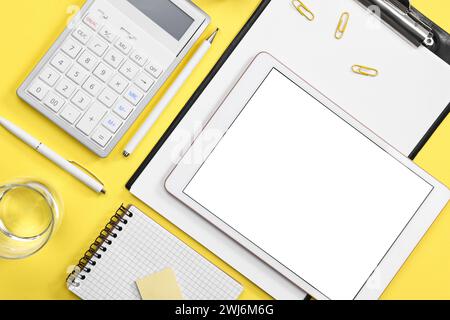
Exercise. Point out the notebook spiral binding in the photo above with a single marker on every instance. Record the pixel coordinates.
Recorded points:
(84, 266)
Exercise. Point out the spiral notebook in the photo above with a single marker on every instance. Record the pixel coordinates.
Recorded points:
(133, 246)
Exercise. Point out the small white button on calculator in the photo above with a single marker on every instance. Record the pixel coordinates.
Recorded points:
(108, 65)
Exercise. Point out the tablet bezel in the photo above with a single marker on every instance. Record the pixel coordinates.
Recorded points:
(222, 120)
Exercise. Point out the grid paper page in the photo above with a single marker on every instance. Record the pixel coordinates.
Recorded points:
(143, 247)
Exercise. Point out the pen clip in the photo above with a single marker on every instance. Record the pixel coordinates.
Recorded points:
(398, 6)
(87, 171)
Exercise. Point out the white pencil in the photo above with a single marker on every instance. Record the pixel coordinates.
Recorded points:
(169, 95)
(53, 156)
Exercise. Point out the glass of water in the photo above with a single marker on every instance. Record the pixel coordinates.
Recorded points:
(29, 214)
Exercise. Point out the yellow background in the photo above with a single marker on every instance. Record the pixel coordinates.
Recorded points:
(29, 27)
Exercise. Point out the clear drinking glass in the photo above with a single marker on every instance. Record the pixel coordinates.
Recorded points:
(29, 214)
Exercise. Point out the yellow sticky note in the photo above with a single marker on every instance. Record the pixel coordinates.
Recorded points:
(160, 286)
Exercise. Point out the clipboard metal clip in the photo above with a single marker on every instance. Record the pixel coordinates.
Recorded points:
(342, 25)
(400, 15)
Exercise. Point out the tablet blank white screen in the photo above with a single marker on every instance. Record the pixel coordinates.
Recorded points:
(308, 189)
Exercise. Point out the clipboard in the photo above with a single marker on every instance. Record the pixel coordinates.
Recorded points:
(147, 183)
(441, 48)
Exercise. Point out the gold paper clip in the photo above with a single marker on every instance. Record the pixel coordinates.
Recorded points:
(304, 11)
(342, 25)
(365, 71)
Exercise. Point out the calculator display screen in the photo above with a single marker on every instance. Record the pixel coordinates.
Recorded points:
(165, 14)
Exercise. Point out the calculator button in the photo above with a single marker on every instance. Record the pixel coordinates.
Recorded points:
(129, 69)
(144, 81)
(66, 87)
(72, 48)
(98, 46)
(107, 34)
(112, 123)
(87, 60)
(38, 89)
(77, 74)
(81, 100)
(103, 72)
(82, 34)
(154, 70)
(101, 136)
(92, 22)
(139, 57)
(107, 97)
(133, 95)
(49, 76)
(61, 62)
(70, 114)
(91, 118)
(113, 58)
(54, 102)
(118, 83)
(92, 86)
(123, 46)
(123, 109)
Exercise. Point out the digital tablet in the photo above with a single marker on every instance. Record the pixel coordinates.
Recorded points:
(300, 183)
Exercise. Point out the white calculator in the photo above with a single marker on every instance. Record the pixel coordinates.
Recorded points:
(109, 63)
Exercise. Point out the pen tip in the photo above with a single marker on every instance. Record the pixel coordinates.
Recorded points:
(213, 36)
(103, 191)
(126, 154)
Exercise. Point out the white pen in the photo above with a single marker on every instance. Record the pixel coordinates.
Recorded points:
(53, 156)
(169, 95)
